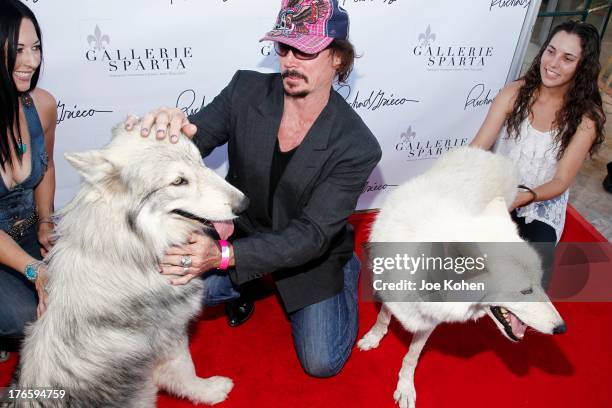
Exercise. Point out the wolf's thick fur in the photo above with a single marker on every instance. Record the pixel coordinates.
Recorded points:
(115, 329)
(463, 198)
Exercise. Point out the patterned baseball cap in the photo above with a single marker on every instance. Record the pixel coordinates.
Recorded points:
(309, 25)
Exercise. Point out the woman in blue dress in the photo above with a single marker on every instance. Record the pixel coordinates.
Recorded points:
(27, 177)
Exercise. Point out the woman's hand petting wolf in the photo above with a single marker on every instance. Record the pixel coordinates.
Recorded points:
(204, 253)
(41, 290)
(522, 199)
(45, 237)
(163, 121)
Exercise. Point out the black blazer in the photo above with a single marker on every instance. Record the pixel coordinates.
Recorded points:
(307, 240)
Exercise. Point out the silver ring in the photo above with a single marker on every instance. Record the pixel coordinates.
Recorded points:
(186, 262)
(185, 269)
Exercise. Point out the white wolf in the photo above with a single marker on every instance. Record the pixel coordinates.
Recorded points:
(464, 198)
(115, 330)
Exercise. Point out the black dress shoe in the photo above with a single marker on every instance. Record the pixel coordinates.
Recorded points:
(239, 311)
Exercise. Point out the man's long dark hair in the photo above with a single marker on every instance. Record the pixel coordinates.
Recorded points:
(582, 97)
(346, 51)
(13, 11)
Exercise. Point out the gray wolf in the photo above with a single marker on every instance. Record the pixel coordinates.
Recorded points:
(115, 330)
(464, 197)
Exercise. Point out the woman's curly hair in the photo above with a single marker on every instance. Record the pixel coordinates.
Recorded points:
(582, 97)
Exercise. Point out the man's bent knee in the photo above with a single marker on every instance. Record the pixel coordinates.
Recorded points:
(319, 367)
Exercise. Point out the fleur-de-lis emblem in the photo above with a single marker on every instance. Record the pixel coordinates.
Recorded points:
(98, 39)
(408, 135)
(427, 37)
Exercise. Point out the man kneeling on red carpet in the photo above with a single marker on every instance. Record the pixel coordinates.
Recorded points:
(302, 156)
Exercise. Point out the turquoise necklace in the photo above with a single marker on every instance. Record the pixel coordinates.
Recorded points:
(22, 146)
(26, 100)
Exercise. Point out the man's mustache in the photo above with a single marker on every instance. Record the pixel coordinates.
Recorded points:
(293, 73)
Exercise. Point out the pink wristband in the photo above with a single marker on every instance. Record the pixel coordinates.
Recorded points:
(225, 254)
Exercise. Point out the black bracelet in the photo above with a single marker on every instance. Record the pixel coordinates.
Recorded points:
(533, 193)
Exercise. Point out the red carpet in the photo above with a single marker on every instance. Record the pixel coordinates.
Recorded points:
(468, 365)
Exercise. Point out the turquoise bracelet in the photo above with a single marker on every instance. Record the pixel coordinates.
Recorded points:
(31, 270)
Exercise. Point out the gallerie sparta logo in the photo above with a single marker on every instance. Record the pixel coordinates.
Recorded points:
(444, 57)
(416, 149)
(125, 60)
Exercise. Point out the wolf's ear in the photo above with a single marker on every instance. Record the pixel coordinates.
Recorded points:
(497, 207)
(92, 165)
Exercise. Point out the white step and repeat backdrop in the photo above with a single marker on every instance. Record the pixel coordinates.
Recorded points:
(428, 72)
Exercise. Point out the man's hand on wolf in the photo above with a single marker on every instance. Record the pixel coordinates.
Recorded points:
(205, 255)
(163, 121)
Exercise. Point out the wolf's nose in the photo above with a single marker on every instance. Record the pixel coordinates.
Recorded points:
(560, 329)
(242, 205)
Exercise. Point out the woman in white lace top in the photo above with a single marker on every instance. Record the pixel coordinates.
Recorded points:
(548, 122)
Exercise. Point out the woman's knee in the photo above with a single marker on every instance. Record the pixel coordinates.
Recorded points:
(19, 303)
(13, 321)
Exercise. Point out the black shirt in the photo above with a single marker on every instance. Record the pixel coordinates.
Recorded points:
(280, 160)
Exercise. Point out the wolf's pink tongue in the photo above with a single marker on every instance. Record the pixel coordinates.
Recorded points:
(518, 327)
(224, 228)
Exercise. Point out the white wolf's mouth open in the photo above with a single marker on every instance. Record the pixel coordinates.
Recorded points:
(186, 214)
(513, 326)
(223, 229)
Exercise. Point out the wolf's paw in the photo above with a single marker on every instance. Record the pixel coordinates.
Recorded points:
(213, 390)
(405, 397)
(369, 341)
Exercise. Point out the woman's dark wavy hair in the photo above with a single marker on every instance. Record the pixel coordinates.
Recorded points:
(13, 11)
(582, 97)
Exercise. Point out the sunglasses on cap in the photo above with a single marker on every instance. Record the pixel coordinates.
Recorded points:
(283, 49)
